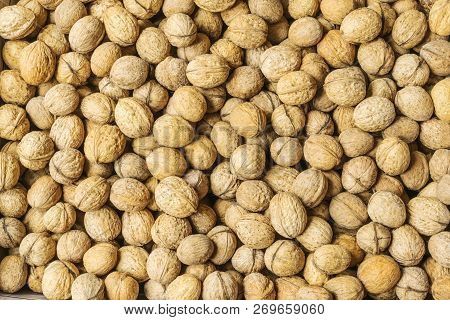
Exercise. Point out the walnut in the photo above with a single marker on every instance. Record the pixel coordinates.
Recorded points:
(379, 273)
(255, 231)
(409, 28)
(168, 231)
(247, 31)
(258, 287)
(220, 286)
(296, 87)
(336, 51)
(413, 285)
(100, 259)
(322, 151)
(407, 246)
(120, 286)
(72, 246)
(373, 238)
(348, 211)
(340, 81)
(429, 216)
(88, 287)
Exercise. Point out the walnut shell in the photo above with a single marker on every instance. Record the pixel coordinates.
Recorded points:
(72, 246)
(359, 174)
(225, 243)
(163, 265)
(195, 249)
(374, 114)
(103, 58)
(120, 286)
(345, 287)
(322, 151)
(247, 31)
(37, 249)
(9, 172)
(346, 86)
(361, 25)
(316, 234)
(168, 231)
(104, 144)
(132, 261)
(121, 26)
(13, 89)
(284, 258)
(88, 287)
(247, 161)
(44, 193)
(258, 287)
(207, 71)
(247, 260)
(37, 63)
(100, 259)
(58, 279)
(184, 287)
(413, 284)
(219, 286)
(336, 51)
(407, 246)
(278, 61)
(409, 28)
(393, 156)
(17, 22)
(429, 216)
(387, 209)
(296, 87)
(14, 124)
(255, 231)
(60, 218)
(348, 211)
(379, 273)
(103, 224)
(91, 194)
(373, 238)
(437, 245)
(12, 232)
(288, 121)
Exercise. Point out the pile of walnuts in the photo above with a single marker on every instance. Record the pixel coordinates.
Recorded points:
(226, 149)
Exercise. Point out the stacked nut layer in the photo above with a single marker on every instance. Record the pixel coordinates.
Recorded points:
(199, 149)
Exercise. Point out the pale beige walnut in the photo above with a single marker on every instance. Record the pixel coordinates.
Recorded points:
(349, 242)
(313, 293)
(438, 245)
(374, 114)
(60, 218)
(220, 286)
(129, 72)
(152, 45)
(112, 90)
(258, 287)
(287, 215)
(407, 246)
(247, 260)
(13, 89)
(361, 25)
(17, 22)
(130, 165)
(54, 38)
(296, 87)
(12, 232)
(172, 131)
(207, 71)
(100, 259)
(121, 26)
(72, 68)
(86, 34)
(393, 156)
(440, 96)
(229, 51)
(174, 196)
(144, 10)
(436, 54)
(277, 61)
(438, 17)
(13, 202)
(103, 224)
(332, 259)
(154, 290)
(120, 286)
(129, 194)
(284, 258)
(409, 28)
(301, 8)
(305, 32)
(34, 280)
(168, 231)
(72, 246)
(67, 12)
(189, 103)
(413, 284)
(382, 87)
(9, 171)
(200, 46)
(434, 134)
(103, 58)
(92, 193)
(224, 244)
(387, 209)
(195, 249)
(316, 66)
(247, 31)
(379, 273)
(184, 287)
(58, 279)
(410, 69)
(288, 121)
(255, 231)
(346, 86)
(39, 115)
(44, 193)
(163, 162)
(336, 51)
(201, 153)
(442, 191)
(208, 23)
(434, 270)
(376, 57)
(359, 174)
(286, 151)
(440, 290)
(68, 132)
(404, 128)
(133, 117)
(163, 265)
(247, 161)
(428, 215)
(132, 261)
(254, 195)
(180, 30)
(356, 142)
(62, 99)
(280, 178)
(322, 151)
(348, 211)
(88, 287)
(345, 287)
(33, 220)
(318, 122)
(136, 227)
(144, 146)
(37, 63)
(312, 274)
(415, 103)
(11, 53)
(225, 138)
(317, 233)
(418, 173)
(335, 11)
(311, 187)
(14, 124)
(439, 164)
(245, 82)
(104, 144)
(204, 219)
